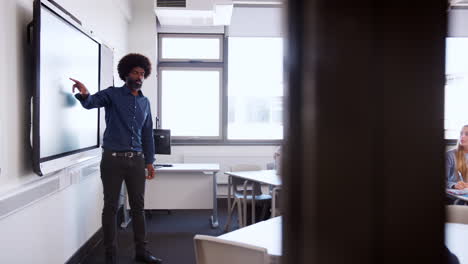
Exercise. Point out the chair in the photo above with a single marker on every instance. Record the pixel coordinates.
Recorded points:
(270, 166)
(243, 194)
(213, 250)
(457, 214)
(275, 207)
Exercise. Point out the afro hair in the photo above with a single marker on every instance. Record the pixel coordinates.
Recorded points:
(132, 60)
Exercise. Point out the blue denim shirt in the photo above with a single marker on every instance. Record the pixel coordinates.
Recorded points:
(451, 168)
(129, 125)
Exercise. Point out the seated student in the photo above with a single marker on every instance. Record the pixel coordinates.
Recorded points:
(456, 162)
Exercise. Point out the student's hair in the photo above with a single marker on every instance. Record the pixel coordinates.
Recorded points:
(460, 159)
(132, 60)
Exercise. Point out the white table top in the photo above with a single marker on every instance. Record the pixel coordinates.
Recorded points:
(456, 239)
(461, 197)
(262, 176)
(266, 234)
(190, 167)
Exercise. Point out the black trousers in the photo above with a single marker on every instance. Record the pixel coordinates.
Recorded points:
(114, 171)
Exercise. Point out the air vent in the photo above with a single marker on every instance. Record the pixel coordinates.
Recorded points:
(193, 13)
(30, 194)
(171, 3)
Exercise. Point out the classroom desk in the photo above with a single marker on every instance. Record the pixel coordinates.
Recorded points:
(456, 240)
(269, 177)
(266, 234)
(182, 186)
(457, 198)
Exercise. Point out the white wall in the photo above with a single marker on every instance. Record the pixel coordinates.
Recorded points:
(458, 23)
(15, 15)
(257, 22)
(54, 228)
(142, 39)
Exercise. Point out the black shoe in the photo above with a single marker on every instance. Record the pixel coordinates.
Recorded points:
(147, 257)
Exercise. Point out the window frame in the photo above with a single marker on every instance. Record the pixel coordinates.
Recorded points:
(194, 64)
(220, 37)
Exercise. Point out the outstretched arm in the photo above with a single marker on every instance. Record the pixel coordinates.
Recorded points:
(88, 101)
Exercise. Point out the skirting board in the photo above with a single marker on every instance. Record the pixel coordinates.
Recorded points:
(86, 249)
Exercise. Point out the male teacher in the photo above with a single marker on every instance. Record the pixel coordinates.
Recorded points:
(127, 150)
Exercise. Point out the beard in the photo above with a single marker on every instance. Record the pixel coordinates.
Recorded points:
(134, 85)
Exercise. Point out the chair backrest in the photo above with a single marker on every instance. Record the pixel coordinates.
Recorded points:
(238, 183)
(245, 167)
(275, 205)
(213, 250)
(270, 166)
(457, 214)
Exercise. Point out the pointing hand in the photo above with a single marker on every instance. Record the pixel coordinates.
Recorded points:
(80, 86)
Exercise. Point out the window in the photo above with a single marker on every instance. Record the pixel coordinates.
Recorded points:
(191, 101)
(255, 88)
(456, 87)
(211, 94)
(207, 48)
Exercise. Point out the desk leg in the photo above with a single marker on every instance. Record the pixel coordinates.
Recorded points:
(126, 215)
(253, 203)
(228, 223)
(214, 217)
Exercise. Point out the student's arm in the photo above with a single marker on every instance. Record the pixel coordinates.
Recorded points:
(452, 177)
(88, 101)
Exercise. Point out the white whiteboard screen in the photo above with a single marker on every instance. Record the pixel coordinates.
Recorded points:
(65, 52)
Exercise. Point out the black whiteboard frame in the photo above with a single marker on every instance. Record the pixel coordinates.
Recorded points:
(36, 24)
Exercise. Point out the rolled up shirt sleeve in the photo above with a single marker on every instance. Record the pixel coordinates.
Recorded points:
(99, 99)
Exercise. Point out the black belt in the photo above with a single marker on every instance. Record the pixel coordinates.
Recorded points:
(126, 154)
